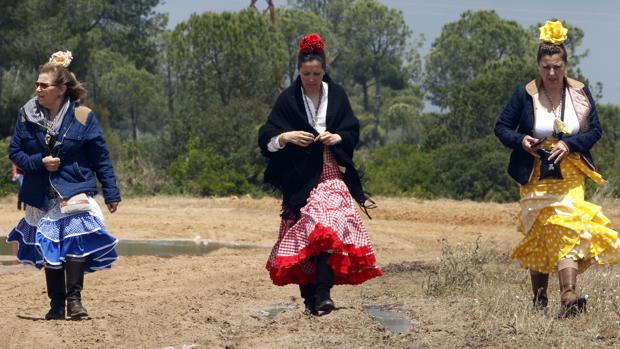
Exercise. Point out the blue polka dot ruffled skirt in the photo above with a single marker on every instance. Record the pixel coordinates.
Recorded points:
(47, 238)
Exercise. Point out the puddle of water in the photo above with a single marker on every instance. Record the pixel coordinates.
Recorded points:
(271, 313)
(170, 248)
(6, 249)
(160, 248)
(392, 320)
(8, 260)
(4, 269)
(185, 346)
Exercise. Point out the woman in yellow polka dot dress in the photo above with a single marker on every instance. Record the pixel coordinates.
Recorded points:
(550, 124)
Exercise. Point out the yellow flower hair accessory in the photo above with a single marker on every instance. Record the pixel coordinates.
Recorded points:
(62, 58)
(553, 32)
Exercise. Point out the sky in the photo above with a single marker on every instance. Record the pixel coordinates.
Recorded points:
(599, 19)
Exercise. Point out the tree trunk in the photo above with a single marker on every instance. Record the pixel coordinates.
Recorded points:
(223, 97)
(292, 66)
(377, 108)
(170, 92)
(6, 125)
(365, 94)
(272, 11)
(134, 126)
(1, 84)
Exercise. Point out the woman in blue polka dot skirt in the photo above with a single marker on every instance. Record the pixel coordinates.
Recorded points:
(59, 147)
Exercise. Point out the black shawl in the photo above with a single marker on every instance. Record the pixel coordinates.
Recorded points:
(296, 170)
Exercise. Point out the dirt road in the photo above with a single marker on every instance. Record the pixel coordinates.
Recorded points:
(216, 300)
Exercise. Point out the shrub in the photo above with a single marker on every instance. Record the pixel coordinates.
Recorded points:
(475, 170)
(6, 185)
(397, 169)
(461, 268)
(203, 171)
(135, 170)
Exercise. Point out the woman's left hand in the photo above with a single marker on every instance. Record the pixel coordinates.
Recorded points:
(112, 206)
(328, 138)
(559, 152)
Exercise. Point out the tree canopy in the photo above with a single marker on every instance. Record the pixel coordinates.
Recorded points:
(181, 107)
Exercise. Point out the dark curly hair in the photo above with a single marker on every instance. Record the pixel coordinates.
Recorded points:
(549, 49)
(308, 57)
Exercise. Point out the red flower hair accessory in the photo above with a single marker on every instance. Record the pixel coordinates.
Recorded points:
(311, 43)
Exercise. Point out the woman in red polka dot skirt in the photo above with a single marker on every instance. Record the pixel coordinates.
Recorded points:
(309, 138)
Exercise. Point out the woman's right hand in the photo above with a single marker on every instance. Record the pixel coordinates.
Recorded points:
(112, 206)
(527, 143)
(300, 138)
(51, 163)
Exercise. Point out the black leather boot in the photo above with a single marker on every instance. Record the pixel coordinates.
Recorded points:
(75, 283)
(55, 280)
(308, 293)
(324, 283)
(540, 282)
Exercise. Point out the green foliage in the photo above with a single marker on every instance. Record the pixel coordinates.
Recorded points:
(14, 16)
(330, 10)
(376, 49)
(135, 98)
(33, 29)
(233, 55)
(135, 170)
(466, 46)
(6, 185)
(606, 151)
(14, 92)
(461, 268)
(101, 62)
(402, 117)
(475, 107)
(398, 169)
(437, 133)
(181, 108)
(204, 171)
(457, 271)
(474, 170)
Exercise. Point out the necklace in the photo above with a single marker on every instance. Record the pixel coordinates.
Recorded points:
(553, 108)
(315, 115)
(558, 125)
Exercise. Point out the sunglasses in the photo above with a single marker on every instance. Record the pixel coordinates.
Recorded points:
(42, 85)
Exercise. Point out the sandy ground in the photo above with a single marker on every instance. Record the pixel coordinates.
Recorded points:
(214, 300)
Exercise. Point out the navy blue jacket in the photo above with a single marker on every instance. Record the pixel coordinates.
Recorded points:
(83, 155)
(517, 120)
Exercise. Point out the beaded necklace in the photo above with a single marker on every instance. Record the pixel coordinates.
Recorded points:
(315, 115)
(557, 135)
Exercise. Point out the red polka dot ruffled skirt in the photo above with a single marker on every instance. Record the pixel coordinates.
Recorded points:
(327, 223)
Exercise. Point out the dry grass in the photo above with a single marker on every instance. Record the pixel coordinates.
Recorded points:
(477, 297)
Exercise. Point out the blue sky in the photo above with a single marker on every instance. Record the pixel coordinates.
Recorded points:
(600, 20)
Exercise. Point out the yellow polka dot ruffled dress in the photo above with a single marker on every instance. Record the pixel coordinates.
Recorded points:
(558, 223)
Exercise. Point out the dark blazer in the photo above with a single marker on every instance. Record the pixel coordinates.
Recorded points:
(296, 170)
(517, 120)
(83, 155)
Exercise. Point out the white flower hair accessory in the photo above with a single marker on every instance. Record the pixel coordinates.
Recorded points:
(62, 58)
